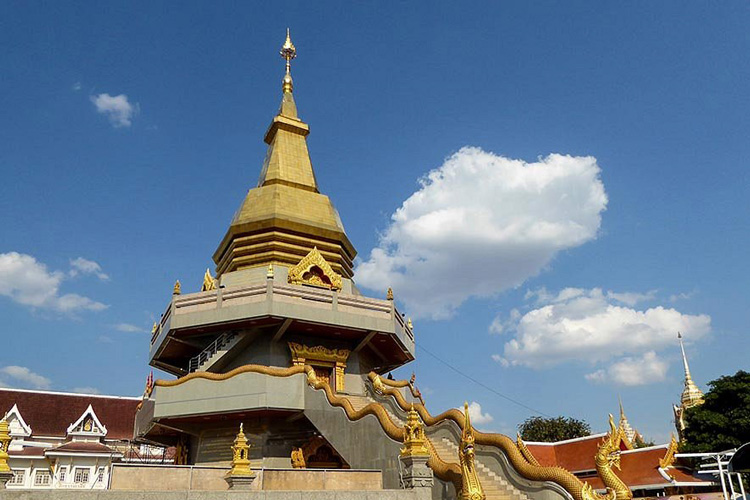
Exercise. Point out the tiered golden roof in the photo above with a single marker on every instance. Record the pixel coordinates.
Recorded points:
(285, 216)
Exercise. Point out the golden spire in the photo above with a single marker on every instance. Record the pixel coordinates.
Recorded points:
(288, 52)
(177, 289)
(240, 456)
(414, 438)
(691, 395)
(627, 430)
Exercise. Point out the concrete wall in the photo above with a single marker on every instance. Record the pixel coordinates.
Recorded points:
(211, 495)
(176, 478)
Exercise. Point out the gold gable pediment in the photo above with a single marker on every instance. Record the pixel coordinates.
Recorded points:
(313, 270)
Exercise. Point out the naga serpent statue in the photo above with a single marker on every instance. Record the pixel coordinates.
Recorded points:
(607, 457)
(471, 489)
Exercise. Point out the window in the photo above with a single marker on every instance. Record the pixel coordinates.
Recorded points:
(18, 476)
(63, 472)
(42, 478)
(100, 475)
(81, 475)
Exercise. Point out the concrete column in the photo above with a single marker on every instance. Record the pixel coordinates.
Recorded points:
(415, 472)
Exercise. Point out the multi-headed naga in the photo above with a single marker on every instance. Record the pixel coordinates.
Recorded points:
(471, 488)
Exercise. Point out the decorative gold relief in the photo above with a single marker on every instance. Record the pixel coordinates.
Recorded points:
(298, 458)
(471, 488)
(177, 290)
(525, 451)
(240, 456)
(209, 282)
(319, 356)
(181, 451)
(414, 438)
(4, 443)
(313, 270)
(669, 457)
(608, 457)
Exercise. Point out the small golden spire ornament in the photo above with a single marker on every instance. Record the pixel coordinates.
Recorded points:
(269, 273)
(389, 294)
(414, 439)
(409, 324)
(4, 444)
(177, 290)
(240, 456)
(154, 328)
(288, 52)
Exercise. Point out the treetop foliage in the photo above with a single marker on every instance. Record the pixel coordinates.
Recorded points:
(549, 430)
(723, 421)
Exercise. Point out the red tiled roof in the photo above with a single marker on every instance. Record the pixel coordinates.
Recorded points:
(33, 451)
(638, 468)
(50, 413)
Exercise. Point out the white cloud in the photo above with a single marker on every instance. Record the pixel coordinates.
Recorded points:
(25, 377)
(86, 390)
(128, 328)
(647, 369)
(682, 296)
(588, 325)
(477, 417)
(481, 224)
(632, 298)
(85, 266)
(499, 325)
(76, 86)
(28, 282)
(117, 108)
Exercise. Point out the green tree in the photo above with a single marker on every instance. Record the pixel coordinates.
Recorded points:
(723, 421)
(553, 429)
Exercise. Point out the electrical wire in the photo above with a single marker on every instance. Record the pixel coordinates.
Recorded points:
(493, 391)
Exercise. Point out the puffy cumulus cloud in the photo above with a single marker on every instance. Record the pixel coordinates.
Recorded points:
(85, 266)
(23, 377)
(117, 109)
(591, 326)
(28, 282)
(477, 417)
(647, 369)
(483, 223)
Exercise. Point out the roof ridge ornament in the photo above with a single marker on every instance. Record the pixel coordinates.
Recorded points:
(313, 270)
(288, 52)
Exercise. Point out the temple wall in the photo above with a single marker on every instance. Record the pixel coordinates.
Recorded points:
(211, 495)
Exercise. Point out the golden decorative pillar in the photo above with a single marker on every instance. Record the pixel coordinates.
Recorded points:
(414, 438)
(4, 443)
(240, 455)
(240, 477)
(298, 458)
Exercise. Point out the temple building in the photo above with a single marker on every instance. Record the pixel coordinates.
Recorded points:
(70, 441)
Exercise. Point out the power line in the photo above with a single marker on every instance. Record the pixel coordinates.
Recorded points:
(469, 377)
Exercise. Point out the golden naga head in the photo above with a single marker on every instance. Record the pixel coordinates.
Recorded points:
(467, 438)
(609, 450)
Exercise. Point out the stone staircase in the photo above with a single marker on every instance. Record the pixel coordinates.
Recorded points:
(495, 487)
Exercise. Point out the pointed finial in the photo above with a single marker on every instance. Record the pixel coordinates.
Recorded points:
(288, 52)
(177, 290)
(389, 294)
(209, 283)
(622, 410)
(409, 324)
(241, 424)
(154, 328)
(269, 273)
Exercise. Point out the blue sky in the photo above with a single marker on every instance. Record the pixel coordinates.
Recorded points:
(644, 108)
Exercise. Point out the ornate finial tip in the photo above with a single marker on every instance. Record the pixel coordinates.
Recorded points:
(288, 50)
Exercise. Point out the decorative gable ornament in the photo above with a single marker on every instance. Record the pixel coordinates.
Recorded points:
(209, 282)
(313, 270)
(17, 425)
(87, 425)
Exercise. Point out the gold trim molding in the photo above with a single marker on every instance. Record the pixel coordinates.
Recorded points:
(321, 356)
(313, 270)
